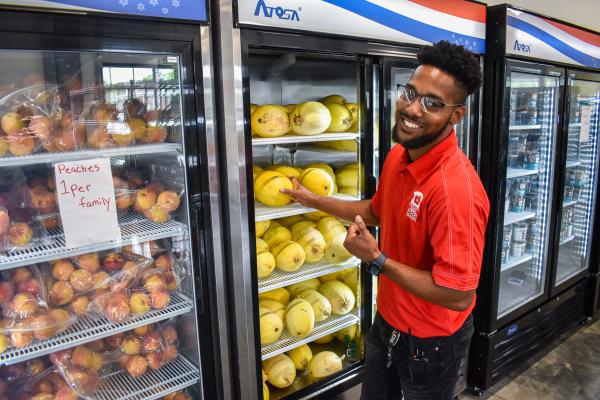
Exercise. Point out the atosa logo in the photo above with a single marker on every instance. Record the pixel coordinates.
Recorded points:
(280, 12)
(413, 207)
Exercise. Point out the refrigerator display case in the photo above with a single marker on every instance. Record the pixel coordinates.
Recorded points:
(539, 166)
(75, 99)
(275, 57)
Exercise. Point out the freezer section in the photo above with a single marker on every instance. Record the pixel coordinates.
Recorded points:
(580, 180)
(529, 175)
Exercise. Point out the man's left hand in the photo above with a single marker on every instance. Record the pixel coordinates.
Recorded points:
(360, 242)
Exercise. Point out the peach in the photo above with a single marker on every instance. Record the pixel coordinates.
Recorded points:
(35, 367)
(138, 128)
(145, 200)
(113, 262)
(44, 386)
(170, 353)
(123, 358)
(50, 222)
(40, 126)
(155, 360)
(99, 300)
(13, 372)
(105, 113)
(124, 200)
(89, 262)
(97, 362)
(62, 270)
(142, 330)
(23, 305)
(61, 293)
(43, 200)
(152, 342)
(123, 138)
(156, 188)
(119, 183)
(11, 123)
(168, 200)
(117, 307)
(99, 138)
(164, 262)
(61, 357)
(79, 306)
(134, 108)
(155, 281)
(61, 317)
(158, 214)
(131, 345)
(172, 280)
(6, 292)
(178, 396)
(96, 345)
(136, 366)
(114, 341)
(43, 326)
(21, 145)
(100, 280)
(170, 334)
(51, 183)
(57, 380)
(42, 396)
(82, 357)
(66, 393)
(64, 140)
(19, 275)
(31, 285)
(160, 298)
(4, 343)
(155, 134)
(86, 381)
(81, 280)
(139, 303)
(20, 234)
(152, 115)
(4, 221)
(21, 339)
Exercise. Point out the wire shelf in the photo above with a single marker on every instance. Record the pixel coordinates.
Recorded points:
(287, 342)
(280, 279)
(88, 329)
(41, 158)
(134, 228)
(291, 139)
(263, 213)
(176, 375)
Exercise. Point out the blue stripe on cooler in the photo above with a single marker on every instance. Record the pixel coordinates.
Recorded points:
(555, 43)
(409, 26)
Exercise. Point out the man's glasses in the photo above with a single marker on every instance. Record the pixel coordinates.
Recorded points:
(407, 94)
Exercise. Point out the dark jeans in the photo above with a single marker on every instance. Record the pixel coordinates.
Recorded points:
(421, 369)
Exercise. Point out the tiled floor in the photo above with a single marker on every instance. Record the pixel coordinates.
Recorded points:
(571, 371)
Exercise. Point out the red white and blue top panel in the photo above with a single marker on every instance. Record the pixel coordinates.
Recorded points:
(420, 22)
(533, 36)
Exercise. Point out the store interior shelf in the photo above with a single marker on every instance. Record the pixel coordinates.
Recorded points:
(575, 124)
(519, 172)
(291, 139)
(280, 279)
(571, 164)
(263, 213)
(88, 329)
(523, 127)
(154, 384)
(567, 239)
(512, 217)
(287, 342)
(41, 158)
(134, 228)
(514, 261)
(569, 203)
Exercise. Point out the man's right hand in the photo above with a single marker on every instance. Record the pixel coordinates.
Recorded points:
(301, 194)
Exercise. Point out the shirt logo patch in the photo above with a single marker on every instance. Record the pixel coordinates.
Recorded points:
(413, 207)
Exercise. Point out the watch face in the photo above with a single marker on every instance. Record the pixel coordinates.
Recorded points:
(374, 269)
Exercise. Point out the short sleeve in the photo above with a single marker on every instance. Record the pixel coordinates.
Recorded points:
(376, 201)
(457, 219)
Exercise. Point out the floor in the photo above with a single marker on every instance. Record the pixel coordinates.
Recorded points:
(570, 371)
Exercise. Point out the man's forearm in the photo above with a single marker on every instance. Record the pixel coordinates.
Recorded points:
(420, 283)
(345, 209)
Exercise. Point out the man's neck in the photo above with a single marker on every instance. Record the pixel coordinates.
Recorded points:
(415, 154)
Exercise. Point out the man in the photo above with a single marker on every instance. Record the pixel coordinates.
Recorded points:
(432, 211)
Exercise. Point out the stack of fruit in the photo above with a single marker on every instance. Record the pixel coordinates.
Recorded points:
(80, 366)
(156, 203)
(346, 179)
(177, 396)
(313, 300)
(329, 114)
(287, 243)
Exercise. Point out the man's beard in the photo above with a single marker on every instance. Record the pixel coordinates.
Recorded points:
(416, 142)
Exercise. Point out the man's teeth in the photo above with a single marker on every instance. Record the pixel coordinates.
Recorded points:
(410, 124)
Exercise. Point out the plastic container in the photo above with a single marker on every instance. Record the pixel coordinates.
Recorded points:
(517, 248)
(519, 231)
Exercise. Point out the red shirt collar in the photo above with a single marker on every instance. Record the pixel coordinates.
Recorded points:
(428, 162)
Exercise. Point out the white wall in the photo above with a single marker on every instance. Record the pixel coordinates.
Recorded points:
(585, 13)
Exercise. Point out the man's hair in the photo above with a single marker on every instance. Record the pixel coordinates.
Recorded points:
(454, 60)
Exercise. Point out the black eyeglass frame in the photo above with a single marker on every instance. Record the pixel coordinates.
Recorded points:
(403, 89)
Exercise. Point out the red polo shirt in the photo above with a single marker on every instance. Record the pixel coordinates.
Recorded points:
(433, 213)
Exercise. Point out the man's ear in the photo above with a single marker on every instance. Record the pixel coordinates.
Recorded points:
(458, 114)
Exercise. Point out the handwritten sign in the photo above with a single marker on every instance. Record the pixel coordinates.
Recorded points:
(586, 119)
(86, 198)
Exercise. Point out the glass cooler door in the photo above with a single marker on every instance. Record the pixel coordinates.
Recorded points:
(530, 156)
(580, 177)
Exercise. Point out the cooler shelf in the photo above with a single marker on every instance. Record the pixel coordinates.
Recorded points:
(287, 342)
(571, 164)
(519, 172)
(512, 217)
(41, 158)
(567, 239)
(569, 203)
(280, 279)
(87, 329)
(176, 375)
(523, 127)
(514, 261)
(134, 228)
(263, 213)
(291, 139)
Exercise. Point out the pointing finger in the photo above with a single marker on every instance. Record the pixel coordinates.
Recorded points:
(361, 224)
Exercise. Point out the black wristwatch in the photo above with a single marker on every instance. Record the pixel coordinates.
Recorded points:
(376, 266)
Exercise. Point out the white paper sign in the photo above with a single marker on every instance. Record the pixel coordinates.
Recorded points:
(86, 198)
(586, 119)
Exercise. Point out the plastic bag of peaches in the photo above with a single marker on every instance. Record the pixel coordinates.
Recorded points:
(26, 314)
(37, 381)
(86, 283)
